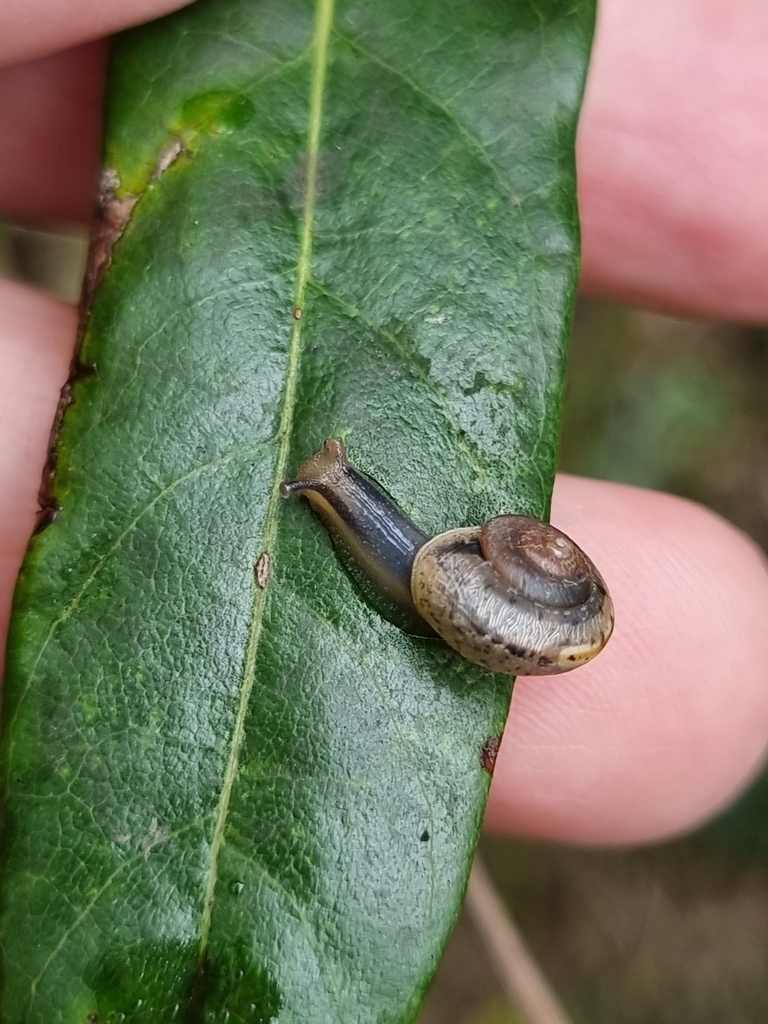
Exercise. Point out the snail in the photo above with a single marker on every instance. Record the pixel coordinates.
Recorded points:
(515, 595)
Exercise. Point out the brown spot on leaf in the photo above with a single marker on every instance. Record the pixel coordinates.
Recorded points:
(81, 371)
(111, 219)
(262, 570)
(169, 156)
(489, 753)
(112, 216)
(46, 515)
(297, 313)
(49, 507)
(156, 834)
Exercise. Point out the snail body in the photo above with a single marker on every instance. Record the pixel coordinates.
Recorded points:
(515, 595)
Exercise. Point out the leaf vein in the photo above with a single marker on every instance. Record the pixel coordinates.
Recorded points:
(101, 562)
(321, 38)
(137, 858)
(472, 139)
(477, 144)
(406, 353)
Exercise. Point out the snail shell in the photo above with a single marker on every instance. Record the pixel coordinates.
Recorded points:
(516, 595)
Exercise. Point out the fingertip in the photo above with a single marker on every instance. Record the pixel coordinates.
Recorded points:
(672, 718)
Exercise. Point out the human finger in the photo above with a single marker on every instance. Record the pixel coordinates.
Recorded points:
(37, 336)
(671, 719)
(50, 121)
(32, 28)
(671, 151)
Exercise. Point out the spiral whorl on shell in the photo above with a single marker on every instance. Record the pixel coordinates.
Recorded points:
(515, 595)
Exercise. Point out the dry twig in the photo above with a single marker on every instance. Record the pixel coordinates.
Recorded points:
(524, 985)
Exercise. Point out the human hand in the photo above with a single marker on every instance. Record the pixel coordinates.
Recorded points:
(673, 716)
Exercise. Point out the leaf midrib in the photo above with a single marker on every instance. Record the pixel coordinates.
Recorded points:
(321, 36)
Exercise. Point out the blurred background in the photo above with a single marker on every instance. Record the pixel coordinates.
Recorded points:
(676, 932)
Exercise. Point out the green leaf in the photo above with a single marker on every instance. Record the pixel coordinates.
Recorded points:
(229, 803)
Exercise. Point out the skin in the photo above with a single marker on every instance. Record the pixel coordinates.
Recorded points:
(672, 719)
